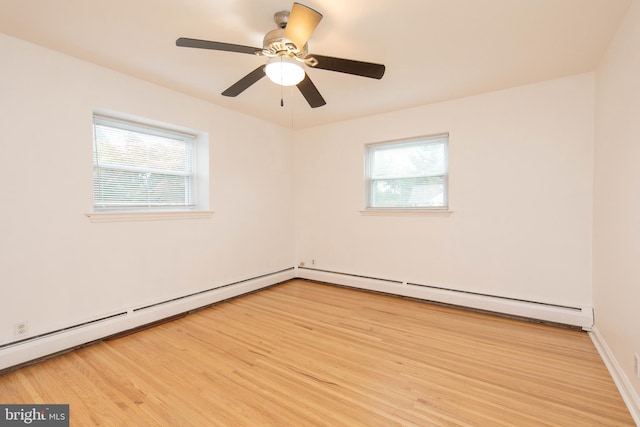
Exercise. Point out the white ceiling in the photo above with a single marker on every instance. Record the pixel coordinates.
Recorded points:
(434, 50)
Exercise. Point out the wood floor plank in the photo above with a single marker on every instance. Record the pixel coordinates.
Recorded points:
(307, 354)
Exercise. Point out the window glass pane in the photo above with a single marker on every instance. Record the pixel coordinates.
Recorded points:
(137, 167)
(409, 160)
(126, 148)
(408, 174)
(116, 188)
(409, 192)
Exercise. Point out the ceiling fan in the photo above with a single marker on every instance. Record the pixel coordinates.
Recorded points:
(287, 52)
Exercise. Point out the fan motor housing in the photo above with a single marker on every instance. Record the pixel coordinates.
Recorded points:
(275, 44)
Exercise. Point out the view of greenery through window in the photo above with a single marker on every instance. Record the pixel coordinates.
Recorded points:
(138, 169)
(408, 174)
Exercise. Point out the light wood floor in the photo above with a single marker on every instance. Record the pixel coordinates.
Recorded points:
(303, 353)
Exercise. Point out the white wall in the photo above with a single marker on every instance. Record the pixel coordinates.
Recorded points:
(616, 271)
(56, 268)
(521, 173)
(521, 182)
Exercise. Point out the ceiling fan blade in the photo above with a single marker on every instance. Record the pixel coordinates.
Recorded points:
(302, 22)
(310, 92)
(349, 66)
(206, 44)
(241, 85)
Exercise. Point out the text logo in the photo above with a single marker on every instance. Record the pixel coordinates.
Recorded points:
(34, 415)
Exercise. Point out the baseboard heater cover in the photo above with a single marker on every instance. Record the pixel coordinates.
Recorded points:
(574, 316)
(36, 347)
(287, 271)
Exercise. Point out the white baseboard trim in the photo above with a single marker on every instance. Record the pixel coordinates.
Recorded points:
(629, 395)
(14, 354)
(574, 316)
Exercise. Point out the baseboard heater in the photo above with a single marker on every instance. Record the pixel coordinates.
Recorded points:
(51, 342)
(567, 315)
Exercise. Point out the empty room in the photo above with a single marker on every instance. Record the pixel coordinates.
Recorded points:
(336, 213)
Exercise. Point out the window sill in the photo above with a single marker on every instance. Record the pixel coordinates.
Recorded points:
(96, 217)
(405, 212)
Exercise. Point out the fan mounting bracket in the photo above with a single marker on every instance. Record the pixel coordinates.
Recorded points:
(281, 18)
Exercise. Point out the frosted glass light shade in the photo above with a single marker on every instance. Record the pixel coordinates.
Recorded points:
(284, 71)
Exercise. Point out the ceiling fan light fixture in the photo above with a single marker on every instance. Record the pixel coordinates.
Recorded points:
(288, 52)
(284, 71)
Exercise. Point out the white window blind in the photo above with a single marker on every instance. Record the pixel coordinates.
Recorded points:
(140, 167)
(408, 174)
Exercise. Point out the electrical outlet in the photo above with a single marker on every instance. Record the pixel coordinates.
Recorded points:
(20, 329)
(637, 365)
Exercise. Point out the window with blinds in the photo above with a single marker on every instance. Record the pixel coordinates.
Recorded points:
(408, 174)
(137, 167)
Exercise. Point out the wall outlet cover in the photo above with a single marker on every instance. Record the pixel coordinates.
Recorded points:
(20, 329)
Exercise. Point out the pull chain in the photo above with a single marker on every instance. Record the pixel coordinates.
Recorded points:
(281, 87)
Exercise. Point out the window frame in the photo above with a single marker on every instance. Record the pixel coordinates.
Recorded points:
(369, 182)
(198, 186)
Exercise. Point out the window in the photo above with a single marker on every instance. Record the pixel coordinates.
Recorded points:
(408, 174)
(137, 167)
